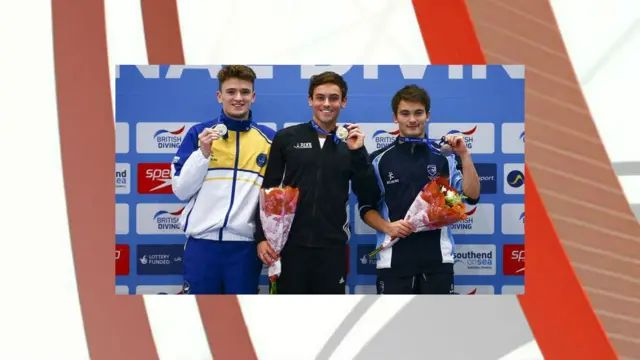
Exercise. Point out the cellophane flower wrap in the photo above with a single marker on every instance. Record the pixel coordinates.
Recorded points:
(436, 206)
(277, 210)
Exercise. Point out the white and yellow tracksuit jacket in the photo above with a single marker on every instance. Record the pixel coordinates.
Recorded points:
(222, 190)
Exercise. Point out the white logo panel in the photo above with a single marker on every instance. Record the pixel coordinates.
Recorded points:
(513, 138)
(122, 219)
(158, 289)
(160, 138)
(480, 220)
(163, 219)
(513, 219)
(379, 135)
(475, 260)
(122, 138)
(513, 290)
(514, 178)
(474, 289)
(123, 178)
(479, 137)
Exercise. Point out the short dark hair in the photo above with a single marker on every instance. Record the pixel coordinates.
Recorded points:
(241, 72)
(411, 93)
(328, 77)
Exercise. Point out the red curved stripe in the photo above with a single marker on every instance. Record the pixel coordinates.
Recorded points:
(222, 318)
(116, 327)
(447, 32)
(470, 131)
(179, 130)
(559, 312)
(162, 32)
(557, 309)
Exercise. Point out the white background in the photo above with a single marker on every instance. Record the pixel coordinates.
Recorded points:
(372, 31)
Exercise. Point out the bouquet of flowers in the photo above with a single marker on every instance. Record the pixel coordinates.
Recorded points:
(436, 206)
(277, 210)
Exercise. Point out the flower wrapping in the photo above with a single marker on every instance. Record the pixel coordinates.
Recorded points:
(277, 211)
(436, 206)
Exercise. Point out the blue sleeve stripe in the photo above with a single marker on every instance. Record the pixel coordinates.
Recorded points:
(455, 176)
(376, 164)
(262, 134)
(232, 169)
(188, 146)
(382, 205)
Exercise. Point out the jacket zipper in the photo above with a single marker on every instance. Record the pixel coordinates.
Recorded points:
(233, 186)
(315, 193)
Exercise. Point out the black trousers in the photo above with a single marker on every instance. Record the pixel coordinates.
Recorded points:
(308, 270)
(422, 283)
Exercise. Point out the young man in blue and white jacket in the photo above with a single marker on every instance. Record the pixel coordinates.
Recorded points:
(220, 173)
(421, 262)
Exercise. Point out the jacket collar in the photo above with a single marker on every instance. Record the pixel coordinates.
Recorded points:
(235, 125)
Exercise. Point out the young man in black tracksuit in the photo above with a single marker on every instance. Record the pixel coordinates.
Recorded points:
(421, 262)
(311, 157)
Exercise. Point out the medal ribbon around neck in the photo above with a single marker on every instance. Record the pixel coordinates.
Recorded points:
(340, 134)
(236, 125)
(437, 146)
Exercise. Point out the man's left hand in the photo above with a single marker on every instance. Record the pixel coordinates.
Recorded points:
(457, 143)
(355, 140)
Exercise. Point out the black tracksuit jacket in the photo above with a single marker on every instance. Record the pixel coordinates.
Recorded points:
(322, 175)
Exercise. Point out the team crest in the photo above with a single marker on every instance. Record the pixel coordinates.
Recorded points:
(261, 160)
(186, 288)
(431, 169)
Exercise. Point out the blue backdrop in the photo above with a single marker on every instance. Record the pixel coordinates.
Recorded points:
(156, 105)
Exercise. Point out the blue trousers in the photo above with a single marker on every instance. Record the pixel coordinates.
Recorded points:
(220, 267)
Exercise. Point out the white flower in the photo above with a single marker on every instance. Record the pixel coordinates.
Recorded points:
(451, 196)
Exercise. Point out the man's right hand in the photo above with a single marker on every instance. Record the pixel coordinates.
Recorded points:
(206, 137)
(266, 253)
(400, 229)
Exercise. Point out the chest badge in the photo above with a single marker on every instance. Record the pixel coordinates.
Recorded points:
(432, 170)
(261, 160)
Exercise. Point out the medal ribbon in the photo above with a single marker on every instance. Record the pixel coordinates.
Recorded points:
(317, 128)
(435, 145)
(232, 124)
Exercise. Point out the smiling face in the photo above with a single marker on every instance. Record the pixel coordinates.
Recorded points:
(327, 101)
(411, 107)
(236, 96)
(411, 119)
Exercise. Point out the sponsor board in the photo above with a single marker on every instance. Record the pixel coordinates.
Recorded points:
(480, 220)
(513, 138)
(513, 219)
(514, 178)
(161, 219)
(475, 260)
(479, 137)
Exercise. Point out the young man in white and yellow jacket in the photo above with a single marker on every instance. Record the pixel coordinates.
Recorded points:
(219, 169)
